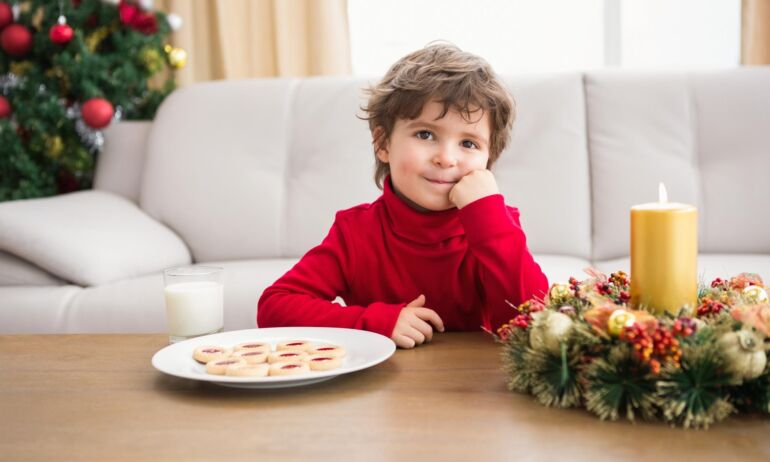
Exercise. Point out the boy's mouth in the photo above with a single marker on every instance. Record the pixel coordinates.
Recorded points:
(436, 181)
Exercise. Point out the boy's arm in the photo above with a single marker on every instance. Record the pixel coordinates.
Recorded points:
(507, 269)
(302, 296)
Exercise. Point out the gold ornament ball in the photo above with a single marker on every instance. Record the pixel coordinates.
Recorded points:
(55, 146)
(560, 292)
(177, 57)
(755, 295)
(619, 319)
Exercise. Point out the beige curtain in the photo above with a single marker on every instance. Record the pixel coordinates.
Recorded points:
(228, 39)
(755, 32)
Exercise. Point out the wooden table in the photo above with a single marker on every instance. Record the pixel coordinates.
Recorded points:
(97, 397)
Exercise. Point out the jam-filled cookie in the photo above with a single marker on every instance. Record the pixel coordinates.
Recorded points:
(323, 362)
(247, 370)
(251, 357)
(296, 345)
(253, 346)
(219, 366)
(289, 368)
(286, 355)
(328, 350)
(207, 353)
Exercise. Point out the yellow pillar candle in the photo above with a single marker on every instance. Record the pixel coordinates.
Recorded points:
(664, 254)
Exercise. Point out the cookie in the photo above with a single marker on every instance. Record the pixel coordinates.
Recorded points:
(286, 355)
(251, 357)
(296, 345)
(247, 370)
(328, 350)
(219, 366)
(253, 346)
(289, 368)
(207, 353)
(323, 362)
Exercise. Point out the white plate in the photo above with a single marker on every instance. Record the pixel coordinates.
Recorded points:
(363, 349)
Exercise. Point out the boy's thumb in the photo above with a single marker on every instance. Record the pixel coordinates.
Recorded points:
(419, 301)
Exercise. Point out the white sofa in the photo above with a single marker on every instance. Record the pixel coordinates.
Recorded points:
(248, 174)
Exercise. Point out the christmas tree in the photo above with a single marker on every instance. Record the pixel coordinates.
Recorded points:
(68, 69)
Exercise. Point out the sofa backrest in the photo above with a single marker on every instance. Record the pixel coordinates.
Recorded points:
(705, 135)
(257, 168)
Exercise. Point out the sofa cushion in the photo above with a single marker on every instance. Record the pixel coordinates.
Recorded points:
(88, 237)
(137, 304)
(35, 310)
(733, 139)
(17, 272)
(330, 163)
(216, 166)
(640, 132)
(710, 266)
(559, 268)
(544, 169)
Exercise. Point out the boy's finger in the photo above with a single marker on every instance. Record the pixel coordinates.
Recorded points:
(404, 342)
(426, 314)
(415, 334)
(425, 329)
(419, 301)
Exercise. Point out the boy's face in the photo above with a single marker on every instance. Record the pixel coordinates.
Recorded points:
(428, 155)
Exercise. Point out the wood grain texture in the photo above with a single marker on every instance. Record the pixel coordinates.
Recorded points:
(97, 397)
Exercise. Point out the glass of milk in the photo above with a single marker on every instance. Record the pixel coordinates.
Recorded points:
(194, 301)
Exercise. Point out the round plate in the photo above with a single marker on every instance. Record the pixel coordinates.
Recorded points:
(363, 349)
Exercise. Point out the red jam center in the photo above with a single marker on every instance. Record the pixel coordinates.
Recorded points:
(225, 363)
(290, 366)
(212, 350)
(254, 345)
(252, 353)
(295, 343)
(326, 349)
(322, 359)
(288, 354)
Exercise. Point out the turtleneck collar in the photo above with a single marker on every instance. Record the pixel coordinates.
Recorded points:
(421, 227)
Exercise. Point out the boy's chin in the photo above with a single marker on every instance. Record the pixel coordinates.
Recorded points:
(432, 205)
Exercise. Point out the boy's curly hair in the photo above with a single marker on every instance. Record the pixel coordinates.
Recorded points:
(439, 72)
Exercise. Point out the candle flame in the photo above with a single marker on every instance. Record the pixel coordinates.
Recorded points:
(662, 194)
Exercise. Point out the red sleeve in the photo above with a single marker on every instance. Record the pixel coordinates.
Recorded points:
(507, 270)
(303, 296)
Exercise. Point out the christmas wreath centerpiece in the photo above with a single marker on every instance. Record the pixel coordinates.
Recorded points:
(585, 345)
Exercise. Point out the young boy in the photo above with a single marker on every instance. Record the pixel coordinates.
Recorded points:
(439, 249)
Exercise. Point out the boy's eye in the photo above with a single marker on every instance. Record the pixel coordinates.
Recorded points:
(424, 135)
(469, 144)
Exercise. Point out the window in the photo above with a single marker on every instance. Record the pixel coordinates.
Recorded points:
(518, 36)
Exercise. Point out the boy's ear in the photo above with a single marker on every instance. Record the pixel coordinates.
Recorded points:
(380, 145)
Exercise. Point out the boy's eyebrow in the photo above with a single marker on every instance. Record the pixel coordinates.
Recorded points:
(423, 123)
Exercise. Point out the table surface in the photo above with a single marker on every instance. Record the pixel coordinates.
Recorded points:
(68, 397)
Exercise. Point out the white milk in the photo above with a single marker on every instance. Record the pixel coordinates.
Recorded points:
(194, 308)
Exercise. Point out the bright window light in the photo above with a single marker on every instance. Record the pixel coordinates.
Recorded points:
(519, 36)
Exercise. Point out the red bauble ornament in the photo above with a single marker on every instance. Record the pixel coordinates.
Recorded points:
(16, 40)
(97, 112)
(5, 107)
(61, 33)
(6, 15)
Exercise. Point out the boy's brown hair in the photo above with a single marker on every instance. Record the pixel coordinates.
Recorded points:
(439, 72)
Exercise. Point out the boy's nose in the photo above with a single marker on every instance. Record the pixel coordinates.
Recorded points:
(445, 158)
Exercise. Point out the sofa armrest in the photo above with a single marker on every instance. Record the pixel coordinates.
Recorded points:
(88, 237)
(120, 163)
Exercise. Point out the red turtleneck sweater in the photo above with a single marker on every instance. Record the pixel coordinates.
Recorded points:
(380, 256)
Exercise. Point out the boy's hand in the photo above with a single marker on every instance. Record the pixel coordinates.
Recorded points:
(412, 327)
(473, 186)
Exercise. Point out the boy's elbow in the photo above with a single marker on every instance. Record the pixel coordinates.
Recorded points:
(265, 311)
